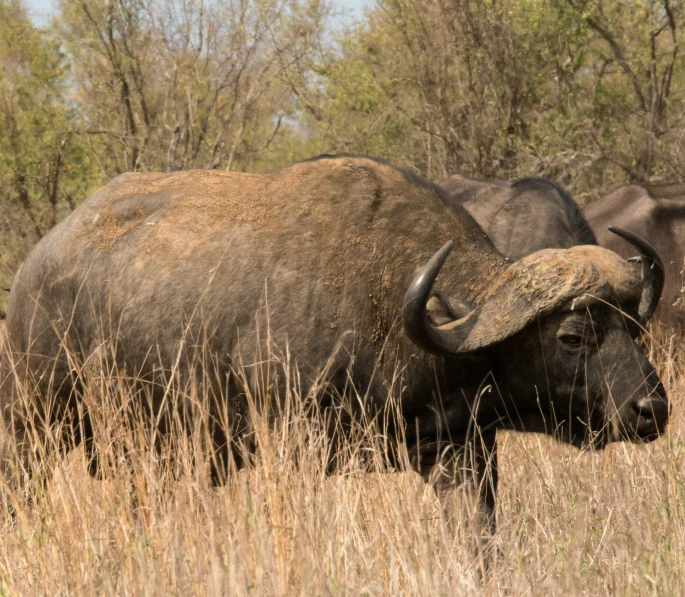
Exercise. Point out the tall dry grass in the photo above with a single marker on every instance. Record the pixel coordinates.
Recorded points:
(569, 522)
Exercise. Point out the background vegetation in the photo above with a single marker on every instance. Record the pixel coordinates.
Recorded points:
(587, 92)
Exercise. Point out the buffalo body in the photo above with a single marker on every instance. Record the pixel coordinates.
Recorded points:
(332, 263)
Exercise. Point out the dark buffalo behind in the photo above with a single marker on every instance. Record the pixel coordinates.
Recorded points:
(330, 264)
(522, 216)
(657, 214)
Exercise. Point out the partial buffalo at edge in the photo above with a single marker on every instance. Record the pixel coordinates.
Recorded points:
(657, 214)
(522, 216)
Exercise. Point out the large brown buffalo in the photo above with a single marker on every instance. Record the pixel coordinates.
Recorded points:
(657, 214)
(359, 270)
(521, 216)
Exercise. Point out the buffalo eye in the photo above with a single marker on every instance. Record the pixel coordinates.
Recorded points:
(571, 340)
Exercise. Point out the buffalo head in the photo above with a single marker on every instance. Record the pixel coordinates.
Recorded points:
(559, 329)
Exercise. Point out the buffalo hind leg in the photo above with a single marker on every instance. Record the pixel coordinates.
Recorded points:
(29, 456)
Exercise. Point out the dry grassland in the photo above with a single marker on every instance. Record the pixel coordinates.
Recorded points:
(570, 523)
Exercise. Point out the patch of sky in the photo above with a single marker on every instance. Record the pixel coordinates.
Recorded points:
(41, 10)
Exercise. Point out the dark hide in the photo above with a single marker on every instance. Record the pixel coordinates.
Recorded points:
(523, 216)
(657, 214)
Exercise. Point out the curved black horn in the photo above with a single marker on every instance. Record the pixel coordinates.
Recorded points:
(418, 329)
(652, 273)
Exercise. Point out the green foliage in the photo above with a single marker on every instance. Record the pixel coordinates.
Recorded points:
(41, 159)
(447, 86)
(186, 84)
(586, 92)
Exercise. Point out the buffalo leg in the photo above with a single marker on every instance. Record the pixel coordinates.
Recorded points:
(34, 435)
(25, 458)
(475, 466)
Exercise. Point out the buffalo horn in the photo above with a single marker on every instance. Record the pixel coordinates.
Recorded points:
(652, 273)
(418, 328)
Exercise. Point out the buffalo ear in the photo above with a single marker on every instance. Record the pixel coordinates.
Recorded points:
(442, 309)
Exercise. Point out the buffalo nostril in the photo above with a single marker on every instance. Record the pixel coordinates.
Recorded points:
(653, 408)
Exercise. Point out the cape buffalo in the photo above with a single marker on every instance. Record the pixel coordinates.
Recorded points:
(656, 213)
(333, 252)
(522, 216)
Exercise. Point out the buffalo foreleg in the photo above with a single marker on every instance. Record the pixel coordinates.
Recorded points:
(472, 467)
